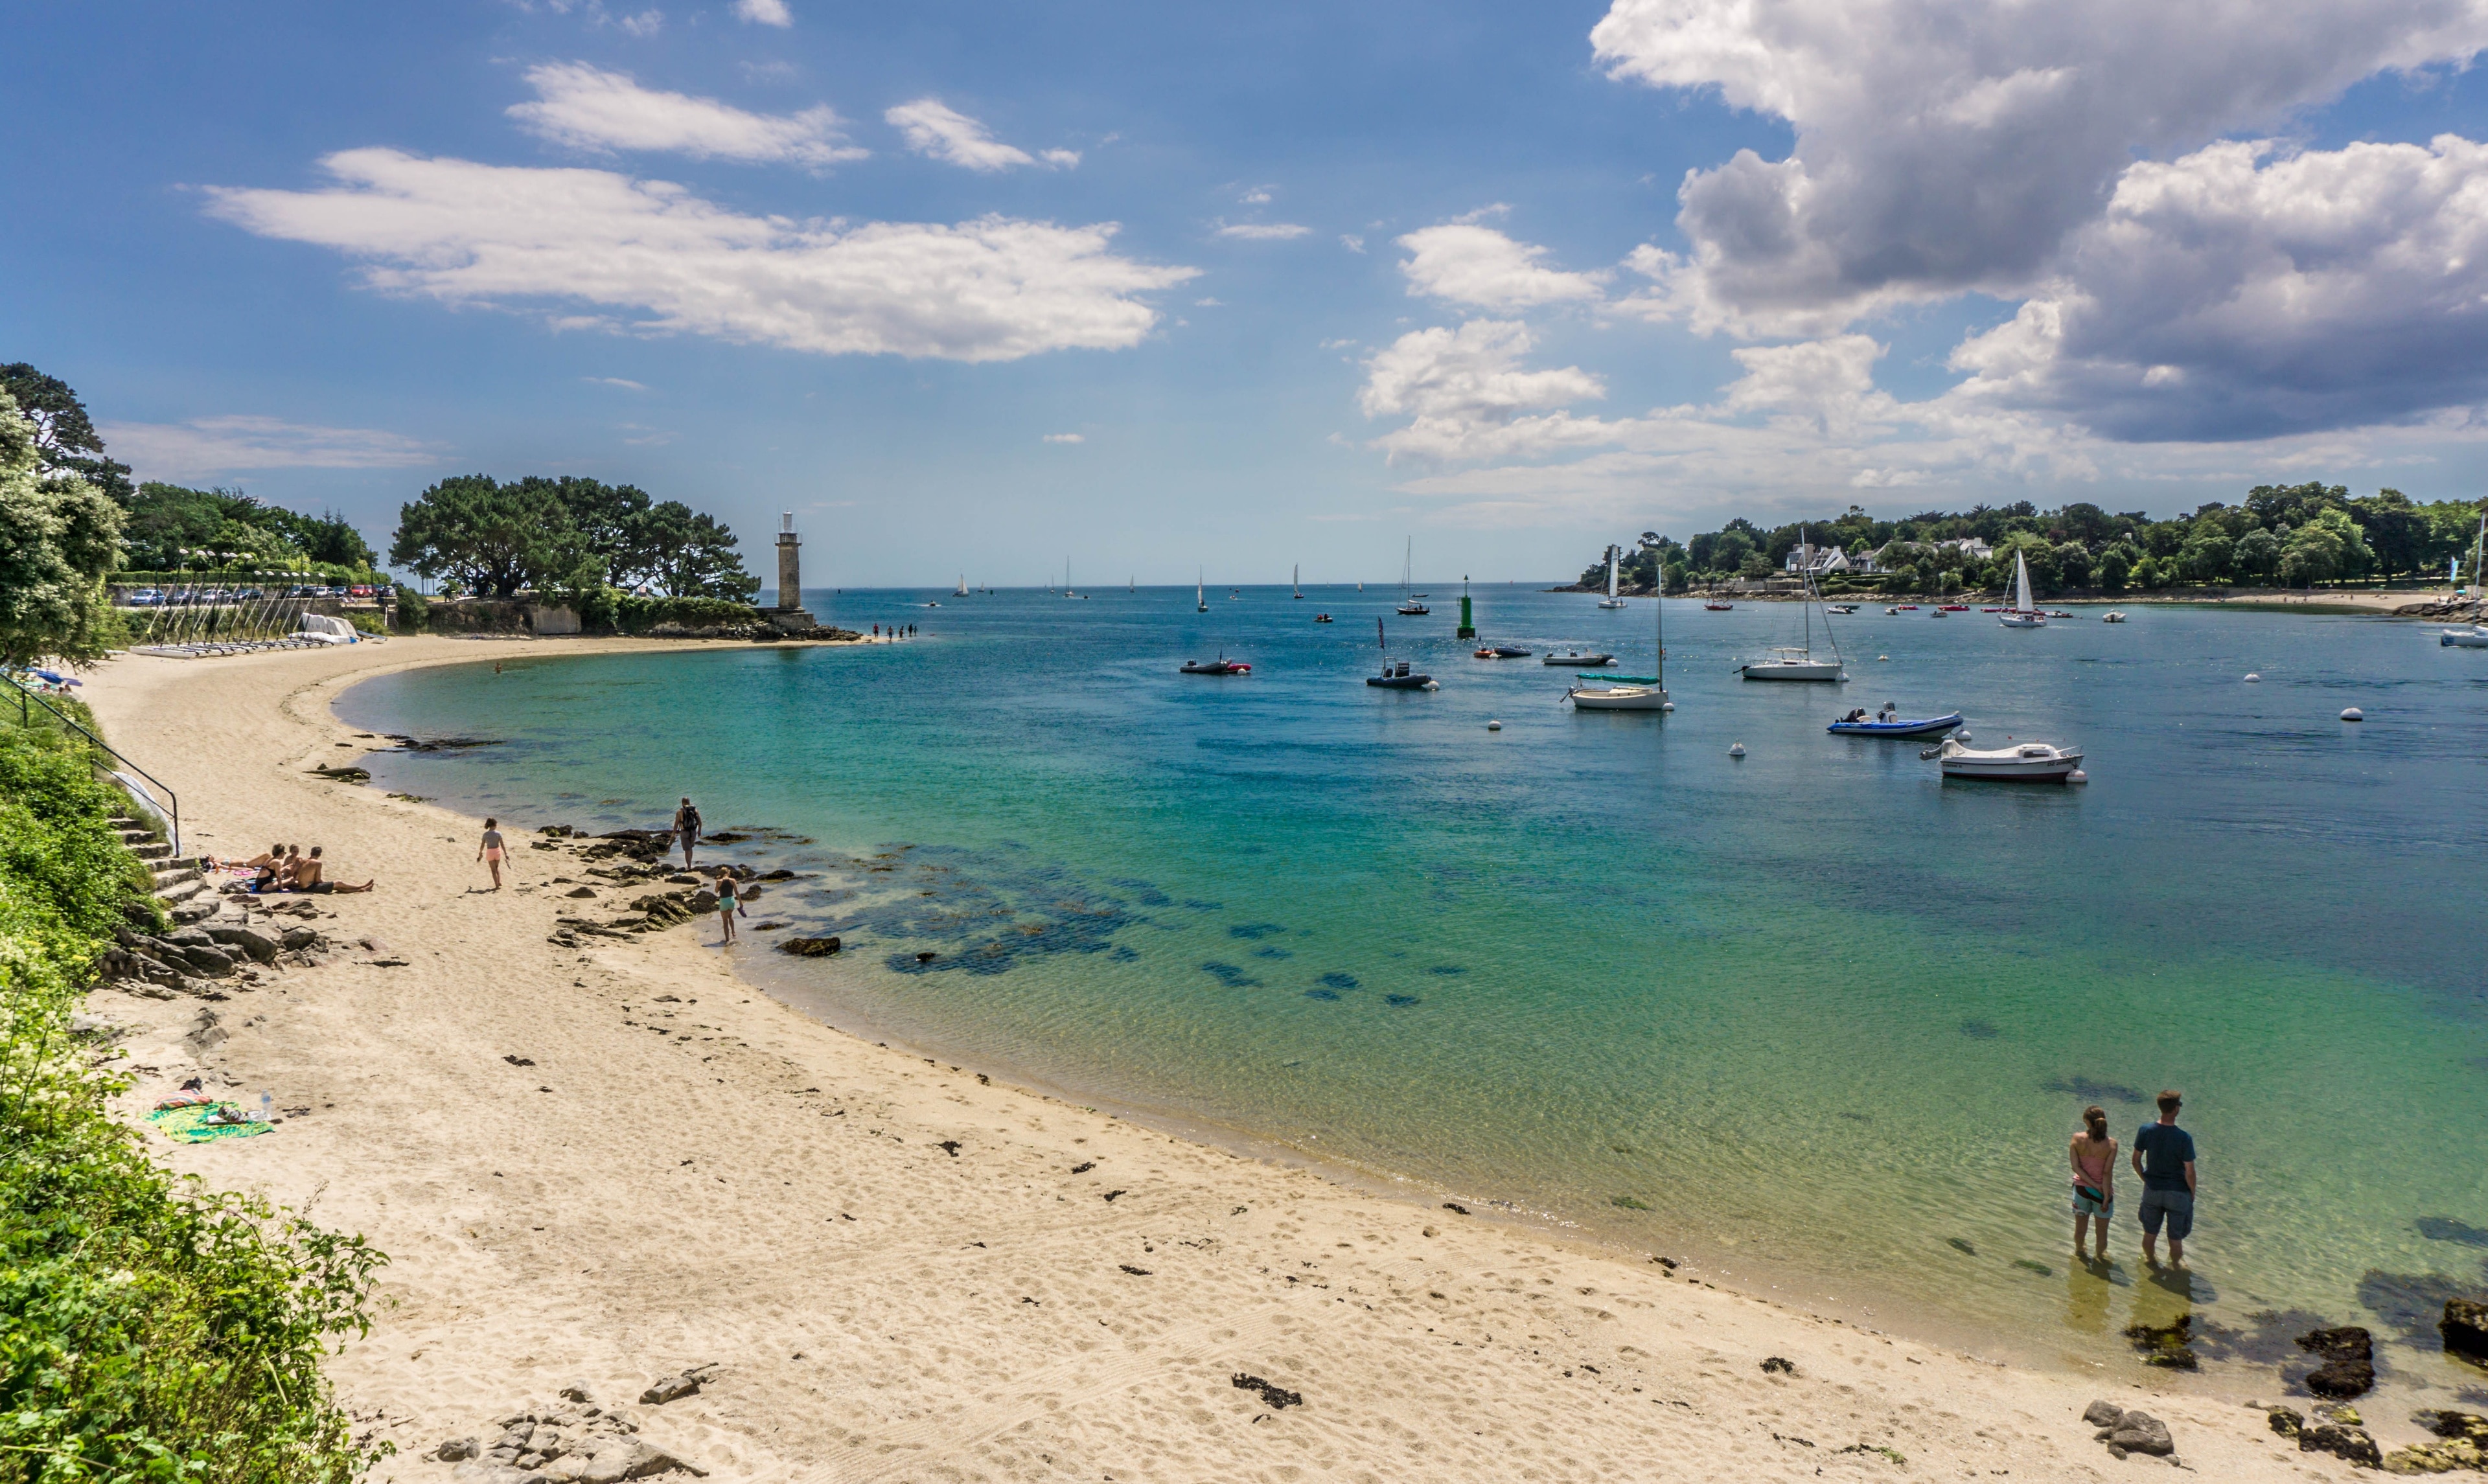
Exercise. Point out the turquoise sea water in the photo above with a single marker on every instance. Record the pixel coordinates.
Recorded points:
(1826, 1018)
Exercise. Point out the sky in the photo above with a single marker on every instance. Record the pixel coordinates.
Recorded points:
(974, 290)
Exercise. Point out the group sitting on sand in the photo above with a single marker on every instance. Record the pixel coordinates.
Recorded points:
(2163, 1158)
(285, 868)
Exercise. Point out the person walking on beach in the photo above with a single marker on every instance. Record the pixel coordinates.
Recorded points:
(490, 851)
(686, 831)
(2167, 1181)
(2094, 1181)
(729, 902)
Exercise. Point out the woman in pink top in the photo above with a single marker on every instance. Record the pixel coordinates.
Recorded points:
(2094, 1156)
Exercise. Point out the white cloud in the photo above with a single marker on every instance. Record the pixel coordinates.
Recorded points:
(1466, 392)
(1258, 195)
(764, 13)
(1067, 437)
(1951, 146)
(653, 258)
(2231, 293)
(1473, 264)
(1209, 303)
(1261, 231)
(1351, 241)
(203, 447)
(620, 381)
(1060, 160)
(934, 128)
(646, 23)
(588, 108)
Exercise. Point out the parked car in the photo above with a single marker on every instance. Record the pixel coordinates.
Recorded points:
(360, 590)
(146, 597)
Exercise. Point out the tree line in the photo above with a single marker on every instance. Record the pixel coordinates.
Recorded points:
(72, 515)
(2301, 536)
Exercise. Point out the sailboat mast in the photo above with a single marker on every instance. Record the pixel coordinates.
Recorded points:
(1804, 571)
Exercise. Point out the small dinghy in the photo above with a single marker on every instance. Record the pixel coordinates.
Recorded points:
(2111, 616)
(2473, 637)
(1501, 652)
(1395, 676)
(1891, 723)
(1576, 660)
(2023, 763)
(1718, 607)
(1222, 665)
(1321, 617)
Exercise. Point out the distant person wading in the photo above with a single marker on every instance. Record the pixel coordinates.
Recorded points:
(2094, 1156)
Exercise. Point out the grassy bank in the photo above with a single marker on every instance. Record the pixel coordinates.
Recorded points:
(150, 1329)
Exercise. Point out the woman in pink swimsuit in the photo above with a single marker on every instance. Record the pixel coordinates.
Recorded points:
(2094, 1156)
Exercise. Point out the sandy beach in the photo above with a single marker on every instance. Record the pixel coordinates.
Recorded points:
(608, 1163)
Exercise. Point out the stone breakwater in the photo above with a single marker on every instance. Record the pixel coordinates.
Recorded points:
(572, 1442)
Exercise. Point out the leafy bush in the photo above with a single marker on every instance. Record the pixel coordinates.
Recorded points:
(150, 1329)
(638, 615)
(412, 609)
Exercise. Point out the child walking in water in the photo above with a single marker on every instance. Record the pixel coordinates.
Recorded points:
(491, 850)
(2094, 1180)
(729, 902)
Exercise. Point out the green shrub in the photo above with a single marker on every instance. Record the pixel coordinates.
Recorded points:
(638, 615)
(150, 1329)
(412, 608)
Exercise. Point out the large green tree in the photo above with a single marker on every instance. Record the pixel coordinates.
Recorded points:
(693, 556)
(64, 437)
(59, 537)
(492, 539)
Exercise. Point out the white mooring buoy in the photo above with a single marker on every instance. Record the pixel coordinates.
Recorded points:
(2353, 713)
(1494, 726)
(1736, 750)
(2077, 776)
(2252, 677)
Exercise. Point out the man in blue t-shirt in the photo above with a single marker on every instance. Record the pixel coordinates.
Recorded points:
(2163, 1156)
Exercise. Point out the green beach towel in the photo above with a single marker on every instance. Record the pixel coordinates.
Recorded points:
(190, 1126)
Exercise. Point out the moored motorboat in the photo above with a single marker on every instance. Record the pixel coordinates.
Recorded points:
(2473, 637)
(1955, 607)
(1396, 677)
(2031, 761)
(1501, 652)
(1321, 617)
(2111, 616)
(1576, 659)
(1890, 723)
(1718, 607)
(1843, 609)
(1222, 665)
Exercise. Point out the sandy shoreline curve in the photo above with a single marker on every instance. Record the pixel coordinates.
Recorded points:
(608, 1163)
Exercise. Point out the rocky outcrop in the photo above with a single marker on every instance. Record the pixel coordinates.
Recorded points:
(579, 1443)
(673, 1389)
(2464, 1328)
(2337, 1430)
(2348, 1367)
(2465, 1435)
(2169, 1345)
(2129, 1432)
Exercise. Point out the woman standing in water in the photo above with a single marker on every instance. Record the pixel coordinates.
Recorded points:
(2094, 1156)
(729, 902)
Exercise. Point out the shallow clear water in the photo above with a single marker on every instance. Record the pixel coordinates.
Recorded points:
(1828, 1018)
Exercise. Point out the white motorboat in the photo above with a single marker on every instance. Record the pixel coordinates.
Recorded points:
(2023, 614)
(1611, 600)
(2473, 637)
(1628, 692)
(2112, 616)
(1576, 660)
(2022, 763)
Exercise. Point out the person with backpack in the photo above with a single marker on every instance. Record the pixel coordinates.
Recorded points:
(686, 831)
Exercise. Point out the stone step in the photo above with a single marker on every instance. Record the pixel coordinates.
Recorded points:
(150, 849)
(185, 891)
(184, 881)
(196, 910)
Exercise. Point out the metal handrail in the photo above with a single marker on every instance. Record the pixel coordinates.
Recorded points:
(26, 693)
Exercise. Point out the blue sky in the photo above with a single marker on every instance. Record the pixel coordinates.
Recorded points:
(1158, 287)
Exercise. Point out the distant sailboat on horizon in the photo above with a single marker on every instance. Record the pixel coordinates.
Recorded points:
(1201, 591)
(1611, 600)
(963, 586)
(1296, 581)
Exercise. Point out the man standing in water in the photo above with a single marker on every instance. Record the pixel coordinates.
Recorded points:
(686, 831)
(2167, 1181)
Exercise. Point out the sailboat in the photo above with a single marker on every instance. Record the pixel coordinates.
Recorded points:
(1396, 677)
(1409, 602)
(1066, 578)
(1611, 600)
(1200, 592)
(2023, 614)
(1786, 664)
(962, 590)
(1630, 693)
(1296, 581)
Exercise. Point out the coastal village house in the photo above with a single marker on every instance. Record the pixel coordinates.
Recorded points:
(1822, 561)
